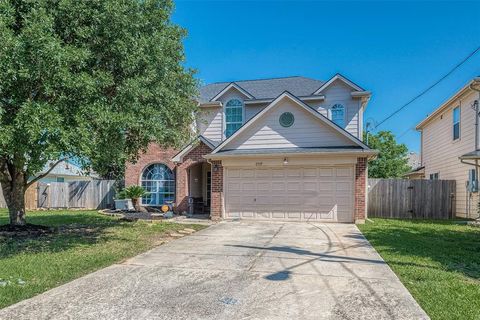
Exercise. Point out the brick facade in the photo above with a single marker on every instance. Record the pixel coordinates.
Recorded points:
(194, 157)
(217, 191)
(360, 190)
(154, 154)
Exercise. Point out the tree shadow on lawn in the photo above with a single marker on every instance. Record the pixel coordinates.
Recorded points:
(72, 230)
(454, 247)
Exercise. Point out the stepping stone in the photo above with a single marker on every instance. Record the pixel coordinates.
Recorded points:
(189, 230)
(176, 235)
(184, 231)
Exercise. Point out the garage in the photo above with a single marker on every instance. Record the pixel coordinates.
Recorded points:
(302, 193)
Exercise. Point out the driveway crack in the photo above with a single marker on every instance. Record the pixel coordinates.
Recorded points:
(262, 252)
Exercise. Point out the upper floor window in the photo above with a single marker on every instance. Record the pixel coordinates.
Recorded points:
(456, 123)
(434, 176)
(234, 116)
(338, 115)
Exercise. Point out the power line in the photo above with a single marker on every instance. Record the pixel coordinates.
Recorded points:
(405, 132)
(430, 87)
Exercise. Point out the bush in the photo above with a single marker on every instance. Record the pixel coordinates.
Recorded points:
(134, 192)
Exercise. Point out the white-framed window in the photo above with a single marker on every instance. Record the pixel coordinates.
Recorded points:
(434, 176)
(159, 182)
(338, 115)
(233, 116)
(456, 123)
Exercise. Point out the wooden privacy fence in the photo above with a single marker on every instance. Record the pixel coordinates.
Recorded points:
(411, 199)
(30, 198)
(95, 194)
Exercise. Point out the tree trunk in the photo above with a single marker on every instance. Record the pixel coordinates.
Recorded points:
(14, 194)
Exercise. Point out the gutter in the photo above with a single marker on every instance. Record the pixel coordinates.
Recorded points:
(370, 154)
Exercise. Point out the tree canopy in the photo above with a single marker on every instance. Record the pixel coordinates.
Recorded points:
(392, 161)
(97, 80)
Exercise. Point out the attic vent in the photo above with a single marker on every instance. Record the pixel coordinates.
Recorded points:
(286, 119)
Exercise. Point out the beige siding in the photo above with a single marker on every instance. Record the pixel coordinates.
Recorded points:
(210, 123)
(252, 110)
(211, 120)
(307, 131)
(440, 153)
(339, 92)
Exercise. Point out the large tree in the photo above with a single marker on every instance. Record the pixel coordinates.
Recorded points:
(392, 161)
(96, 80)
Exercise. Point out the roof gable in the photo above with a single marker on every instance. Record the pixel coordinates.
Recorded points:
(312, 129)
(232, 86)
(341, 78)
(444, 106)
(185, 150)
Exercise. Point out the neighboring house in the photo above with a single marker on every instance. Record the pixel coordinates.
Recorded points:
(273, 149)
(449, 148)
(66, 172)
(415, 162)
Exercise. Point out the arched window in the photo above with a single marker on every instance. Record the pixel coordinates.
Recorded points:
(159, 182)
(338, 115)
(234, 116)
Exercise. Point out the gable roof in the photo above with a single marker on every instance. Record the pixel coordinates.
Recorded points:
(228, 87)
(338, 76)
(443, 106)
(264, 88)
(312, 111)
(179, 156)
(67, 168)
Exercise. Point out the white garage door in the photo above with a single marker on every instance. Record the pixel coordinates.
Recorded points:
(293, 193)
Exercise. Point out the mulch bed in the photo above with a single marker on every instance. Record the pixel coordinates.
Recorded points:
(26, 230)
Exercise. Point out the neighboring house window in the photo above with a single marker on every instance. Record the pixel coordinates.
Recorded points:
(234, 116)
(434, 176)
(456, 123)
(159, 182)
(60, 179)
(338, 115)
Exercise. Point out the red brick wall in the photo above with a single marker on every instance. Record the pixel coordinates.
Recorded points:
(195, 156)
(154, 154)
(217, 190)
(360, 189)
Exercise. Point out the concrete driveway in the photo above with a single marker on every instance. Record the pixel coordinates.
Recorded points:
(238, 270)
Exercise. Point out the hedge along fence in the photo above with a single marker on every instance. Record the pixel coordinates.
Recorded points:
(95, 194)
(411, 199)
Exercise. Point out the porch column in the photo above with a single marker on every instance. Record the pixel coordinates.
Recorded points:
(181, 200)
(216, 209)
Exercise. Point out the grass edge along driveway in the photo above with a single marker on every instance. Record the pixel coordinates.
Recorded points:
(438, 262)
(86, 241)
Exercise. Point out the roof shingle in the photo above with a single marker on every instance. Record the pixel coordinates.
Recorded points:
(265, 88)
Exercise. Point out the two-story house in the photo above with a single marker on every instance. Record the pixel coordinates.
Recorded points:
(271, 149)
(450, 147)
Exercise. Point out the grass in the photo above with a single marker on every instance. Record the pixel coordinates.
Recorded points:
(438, 262)
(86, 241)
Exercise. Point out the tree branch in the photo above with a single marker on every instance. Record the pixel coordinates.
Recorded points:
(45, 173)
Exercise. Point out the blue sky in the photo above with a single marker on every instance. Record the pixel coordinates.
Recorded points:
(394, 49)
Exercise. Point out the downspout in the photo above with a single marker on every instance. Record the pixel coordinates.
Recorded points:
(476, 81)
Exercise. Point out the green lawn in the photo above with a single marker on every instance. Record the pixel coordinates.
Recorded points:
(86, 241)
(438, 261)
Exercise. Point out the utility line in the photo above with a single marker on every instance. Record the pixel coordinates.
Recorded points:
(430, 87)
